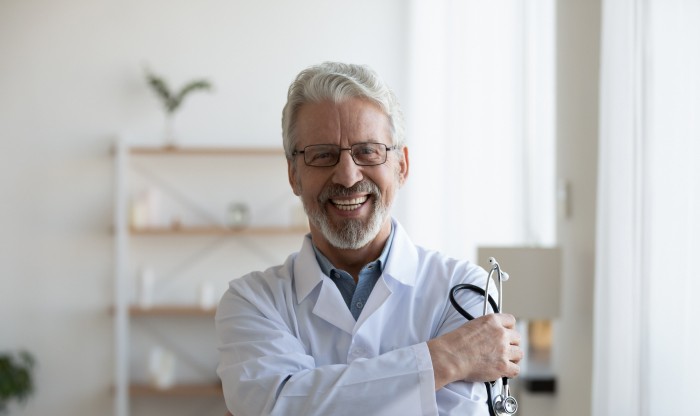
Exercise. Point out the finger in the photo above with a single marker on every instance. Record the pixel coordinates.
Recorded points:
(515, 338)
(515, 354)
(507, 320)
(512, 371)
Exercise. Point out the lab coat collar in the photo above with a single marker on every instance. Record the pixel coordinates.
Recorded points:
(401, 266)
(307, 272)
(402, 263)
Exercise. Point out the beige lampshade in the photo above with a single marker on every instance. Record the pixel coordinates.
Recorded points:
(534, 289)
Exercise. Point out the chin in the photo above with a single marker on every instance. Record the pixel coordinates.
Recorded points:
(352, 234)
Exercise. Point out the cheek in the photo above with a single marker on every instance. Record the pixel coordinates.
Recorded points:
(297, 186)
(308, 189)
(295, 182)
(293, 179)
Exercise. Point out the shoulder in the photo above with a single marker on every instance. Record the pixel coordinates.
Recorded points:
(413, 264)
(271, 279)
(260, 290)
(438, 266)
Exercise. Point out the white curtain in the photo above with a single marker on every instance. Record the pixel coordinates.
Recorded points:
(480, 118)
(647, 332)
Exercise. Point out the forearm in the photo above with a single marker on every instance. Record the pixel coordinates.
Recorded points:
(398, 382)
(443, 362)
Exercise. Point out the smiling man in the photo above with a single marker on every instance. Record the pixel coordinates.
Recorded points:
(359, 319)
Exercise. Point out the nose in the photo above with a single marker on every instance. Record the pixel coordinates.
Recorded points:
(346, 172)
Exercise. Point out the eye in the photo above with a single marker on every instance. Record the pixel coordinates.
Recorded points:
(317, 156)
(321, 155)
(367, 149)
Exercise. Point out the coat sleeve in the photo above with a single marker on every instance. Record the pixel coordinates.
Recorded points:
(265, 369)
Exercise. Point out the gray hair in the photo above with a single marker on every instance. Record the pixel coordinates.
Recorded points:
(337, 82)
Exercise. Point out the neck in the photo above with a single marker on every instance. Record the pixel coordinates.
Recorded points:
(352, 260)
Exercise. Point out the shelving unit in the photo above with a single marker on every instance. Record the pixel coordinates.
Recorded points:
(168, 234)
(182, 390)
(171, 310)
(216, 230)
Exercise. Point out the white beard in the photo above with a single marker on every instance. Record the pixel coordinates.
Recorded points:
(351, 233)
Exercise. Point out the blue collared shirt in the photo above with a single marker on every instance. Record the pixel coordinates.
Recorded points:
(356, 295)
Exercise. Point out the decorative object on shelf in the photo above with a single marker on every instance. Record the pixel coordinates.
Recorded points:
(146, 209)
(207, 296)
(238, 215)
(16, 381)
(173, 100)
(147, 280)
(161, 368)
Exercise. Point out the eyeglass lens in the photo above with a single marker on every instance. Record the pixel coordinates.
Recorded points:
(364, 154)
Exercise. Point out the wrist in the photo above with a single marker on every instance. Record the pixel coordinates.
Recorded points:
(444, 365)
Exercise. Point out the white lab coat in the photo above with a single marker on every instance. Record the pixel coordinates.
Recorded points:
(289, 345)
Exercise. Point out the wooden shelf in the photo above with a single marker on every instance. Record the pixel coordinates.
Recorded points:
(180, 390)
(217, 230)
(171, 310)
(205, 151)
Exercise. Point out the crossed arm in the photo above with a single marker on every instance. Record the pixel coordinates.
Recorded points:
(486, 348)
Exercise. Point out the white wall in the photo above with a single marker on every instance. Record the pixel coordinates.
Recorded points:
(70, 79)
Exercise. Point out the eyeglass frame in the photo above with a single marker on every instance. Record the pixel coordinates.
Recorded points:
(340, 149)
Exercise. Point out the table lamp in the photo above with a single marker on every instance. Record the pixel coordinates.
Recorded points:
(532, 295)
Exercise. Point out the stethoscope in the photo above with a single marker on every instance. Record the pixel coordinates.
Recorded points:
(503, 403)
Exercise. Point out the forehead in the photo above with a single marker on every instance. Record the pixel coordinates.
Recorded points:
(350, 121)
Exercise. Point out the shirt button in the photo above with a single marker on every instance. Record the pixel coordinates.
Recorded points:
(359, 305)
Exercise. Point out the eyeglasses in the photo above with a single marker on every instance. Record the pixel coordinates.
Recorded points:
(363, 154)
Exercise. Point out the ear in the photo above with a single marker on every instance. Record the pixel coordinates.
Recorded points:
(292, 176)
(403, 166)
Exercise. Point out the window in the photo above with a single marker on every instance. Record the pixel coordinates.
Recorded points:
(480, 124)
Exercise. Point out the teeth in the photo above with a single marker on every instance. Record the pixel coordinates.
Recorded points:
(349, 204)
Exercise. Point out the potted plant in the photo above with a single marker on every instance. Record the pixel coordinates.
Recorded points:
(16, 381)
(172, 100)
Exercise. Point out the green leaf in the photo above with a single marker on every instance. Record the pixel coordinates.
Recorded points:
(171, 102)
(190, 87)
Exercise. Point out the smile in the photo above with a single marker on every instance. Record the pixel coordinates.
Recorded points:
(349, 204)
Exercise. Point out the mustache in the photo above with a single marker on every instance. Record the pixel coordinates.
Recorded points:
(364, 186)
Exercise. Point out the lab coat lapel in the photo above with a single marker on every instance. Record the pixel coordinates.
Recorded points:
(329, 305)
(379, 295)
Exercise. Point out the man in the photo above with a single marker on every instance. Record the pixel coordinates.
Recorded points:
(358, 321)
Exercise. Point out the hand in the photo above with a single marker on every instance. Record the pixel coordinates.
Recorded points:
(484, 349)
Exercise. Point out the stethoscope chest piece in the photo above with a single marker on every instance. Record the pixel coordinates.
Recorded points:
(506, 406)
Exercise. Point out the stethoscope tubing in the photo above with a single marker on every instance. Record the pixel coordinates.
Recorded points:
(496, 307)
